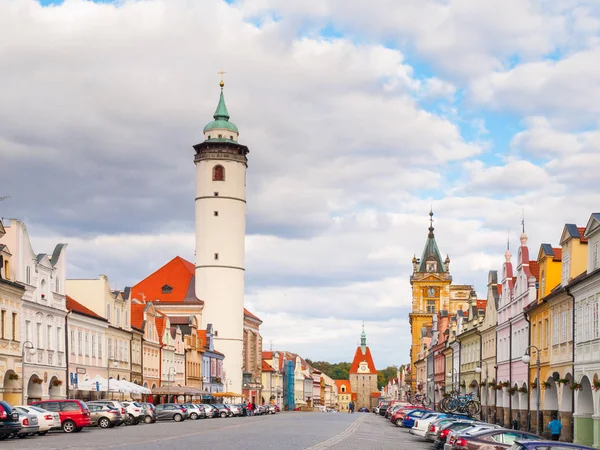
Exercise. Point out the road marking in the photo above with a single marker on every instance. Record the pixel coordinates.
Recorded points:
(339, 437)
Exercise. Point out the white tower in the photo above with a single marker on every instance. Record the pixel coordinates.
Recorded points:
(220, 238)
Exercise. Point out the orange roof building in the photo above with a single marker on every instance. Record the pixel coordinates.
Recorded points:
(363, 375)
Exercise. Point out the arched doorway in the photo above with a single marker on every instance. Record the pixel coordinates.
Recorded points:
(549, 405)
(55, 389)
(34, 389)
(584, 409)
(12, 388)
(565, 409)
(474, 389)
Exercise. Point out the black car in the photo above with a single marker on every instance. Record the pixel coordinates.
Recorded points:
(9, 420)
(363, 409)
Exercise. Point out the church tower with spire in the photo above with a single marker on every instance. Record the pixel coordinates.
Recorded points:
(363, 376)
(431, 293)
(221, 163)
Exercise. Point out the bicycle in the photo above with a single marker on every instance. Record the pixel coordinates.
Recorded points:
(419, 399)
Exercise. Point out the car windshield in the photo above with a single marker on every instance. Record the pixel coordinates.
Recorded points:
(38, 409)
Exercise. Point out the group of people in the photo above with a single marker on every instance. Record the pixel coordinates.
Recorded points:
(250, 408)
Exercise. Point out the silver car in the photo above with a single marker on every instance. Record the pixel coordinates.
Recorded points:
(453, 435)
(195, 411)
(29, 425)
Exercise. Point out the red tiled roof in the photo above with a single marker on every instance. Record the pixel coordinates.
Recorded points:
(582, 238)
(177, 274)
(75, 306)
(359, 357)
(481, 304)
(266, 367)
(267, 355)
(137, 315)
(160, 326)
(249, 314)
(202, 337)
(340, 383)
(534, 269)
(557, 254)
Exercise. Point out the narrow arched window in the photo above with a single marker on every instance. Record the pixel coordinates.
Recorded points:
(218, 173)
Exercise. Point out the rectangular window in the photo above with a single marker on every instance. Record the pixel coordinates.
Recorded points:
(58, 339)
(38, 335)
(578, 321)
(49, 338)
(595, 256)
(546, 333)
(87, 344)
(3, 324)
(72, 342)
(216, 213)
(595, 317)
(555, 330)
(100, 348)
(566, 267)
(216, 256)
(14, 326)
(115, 354)
(533, 333)
(563, 327)
(93, 345)
(80, 343)
(431, 306)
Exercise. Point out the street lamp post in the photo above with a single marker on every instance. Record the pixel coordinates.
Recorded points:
(169, 381)
(31, 350)
(115, 365)
(526, 359)
(451, 374)
(478, 370)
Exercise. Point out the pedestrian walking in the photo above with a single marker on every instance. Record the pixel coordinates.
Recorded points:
(555, 426)
(350, 408)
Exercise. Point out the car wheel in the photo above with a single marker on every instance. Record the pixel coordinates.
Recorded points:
(68, 426)
(398, 422)
(43, 433)
(194, 416)
(148, 419)
(104, 422)
(177, 417)
(223, 415)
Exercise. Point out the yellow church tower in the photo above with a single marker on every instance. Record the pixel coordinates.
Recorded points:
(430, 283)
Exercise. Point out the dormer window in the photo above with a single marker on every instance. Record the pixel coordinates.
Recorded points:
(166, 289)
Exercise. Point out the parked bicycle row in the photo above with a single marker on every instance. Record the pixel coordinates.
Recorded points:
(450, 431)
(72, 416)
(453, 402)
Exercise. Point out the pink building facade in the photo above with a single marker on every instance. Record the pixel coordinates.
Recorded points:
(519, 289)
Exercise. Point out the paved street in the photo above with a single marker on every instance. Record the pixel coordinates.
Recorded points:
(293, 431)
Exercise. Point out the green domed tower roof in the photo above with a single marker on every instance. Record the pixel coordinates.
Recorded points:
(221, 117)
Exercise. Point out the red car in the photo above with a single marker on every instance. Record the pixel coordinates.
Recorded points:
(74, 414)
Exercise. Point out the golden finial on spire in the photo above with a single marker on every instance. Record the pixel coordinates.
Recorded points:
(221, 83)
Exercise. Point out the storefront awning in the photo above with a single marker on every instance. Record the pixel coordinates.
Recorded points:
(177, 390)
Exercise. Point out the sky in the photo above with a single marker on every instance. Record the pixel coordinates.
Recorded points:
(359, 116)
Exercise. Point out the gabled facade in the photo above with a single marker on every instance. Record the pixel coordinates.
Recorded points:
(252, 357)
(213, 376)
(586, 292)
(194, 348)
(344, 394)
(97, 295)
(43, 311)
(470, 348)
(143, 317)
(488, 347)
(273, 377)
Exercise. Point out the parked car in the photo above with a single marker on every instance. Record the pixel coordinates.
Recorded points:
(271, 409)
(149, 412)
(411, 416)
(195, 411)
(29, 425)
(440, 439)
(222, 410)
(421, 425)
(383, 407)
(363, 409)
(398, 416)
(135, 412)
(547, 445)
(105, 416)
(236, 410)
(209, 410)
(74, 414)
(114, 403)
(47, 420)
(391, 410)
(475, 428)
(170, 411)
(436, 426)
(9, 420)
(498, 439)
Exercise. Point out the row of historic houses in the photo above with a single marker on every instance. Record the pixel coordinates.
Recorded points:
(58, 335)
(535, 336)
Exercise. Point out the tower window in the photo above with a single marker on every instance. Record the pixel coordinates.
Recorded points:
(220, 136)
(430, 306)
(231, 137)
(218, 173)
(216, 213)
(166, 289)
(216, 256)
(216, 194)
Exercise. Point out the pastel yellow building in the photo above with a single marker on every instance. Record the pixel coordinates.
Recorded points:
(344, 394)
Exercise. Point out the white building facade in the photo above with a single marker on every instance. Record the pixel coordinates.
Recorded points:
(43, 314)
(221, 164)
